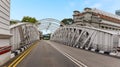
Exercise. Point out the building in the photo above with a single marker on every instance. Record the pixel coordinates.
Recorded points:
(93, 17)
(117, 12)
(5, 35)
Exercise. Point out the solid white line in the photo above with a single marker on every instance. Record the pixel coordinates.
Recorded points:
(76, 60)
(80, 64)
(71, 59)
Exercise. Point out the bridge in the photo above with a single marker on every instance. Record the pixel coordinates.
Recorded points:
(69, 46)
(93, 40)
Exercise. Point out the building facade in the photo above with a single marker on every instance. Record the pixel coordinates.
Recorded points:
(5, 35)
(97, 18)
(117, 12)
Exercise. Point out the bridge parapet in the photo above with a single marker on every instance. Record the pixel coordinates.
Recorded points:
(23, 34)
(89, 38)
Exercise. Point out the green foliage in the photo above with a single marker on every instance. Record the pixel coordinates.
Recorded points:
(29, 19)
(67, 21)
(46, 37)
(13, 22)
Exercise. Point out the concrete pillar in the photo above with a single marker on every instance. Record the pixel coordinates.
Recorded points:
(4, 31)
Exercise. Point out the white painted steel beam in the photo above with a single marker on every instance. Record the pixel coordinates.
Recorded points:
(89, 37)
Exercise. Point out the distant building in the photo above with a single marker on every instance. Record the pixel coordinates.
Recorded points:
(4, 31)
(93, 17)
(117, 12)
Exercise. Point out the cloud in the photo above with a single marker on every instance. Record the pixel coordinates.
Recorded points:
(86, 2)
(96, 5)
(72, 4)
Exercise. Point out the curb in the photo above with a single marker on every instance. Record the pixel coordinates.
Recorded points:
(97, 51)
(102, 52)
(18, 51)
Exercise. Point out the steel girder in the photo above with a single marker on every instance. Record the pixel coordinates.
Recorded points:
(23, 34)
(86, 37)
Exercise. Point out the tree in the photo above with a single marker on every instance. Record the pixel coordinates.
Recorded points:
(13, 22)
(67, 21)
(29, 19)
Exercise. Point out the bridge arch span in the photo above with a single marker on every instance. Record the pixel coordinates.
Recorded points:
(48, 25)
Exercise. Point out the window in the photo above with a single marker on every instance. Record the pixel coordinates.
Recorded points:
(102, 26)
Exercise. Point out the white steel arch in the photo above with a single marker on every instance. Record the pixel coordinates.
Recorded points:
(87, 38)
(49, 24)
(23, 34)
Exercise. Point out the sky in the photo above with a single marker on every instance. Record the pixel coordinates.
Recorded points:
(57, 9)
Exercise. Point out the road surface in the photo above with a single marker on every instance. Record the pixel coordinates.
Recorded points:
(45, 55)
(51, 54)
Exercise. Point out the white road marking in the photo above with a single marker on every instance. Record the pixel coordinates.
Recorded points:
(80, 64)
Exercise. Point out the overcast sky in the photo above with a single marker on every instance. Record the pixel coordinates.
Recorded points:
(58, 9)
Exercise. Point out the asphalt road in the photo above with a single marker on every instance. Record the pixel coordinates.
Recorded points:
(90, 59)
(44, 55)
(52, 54)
